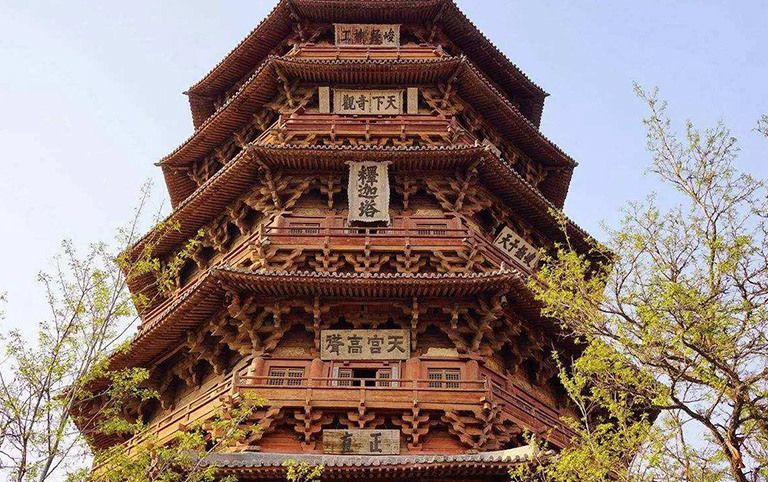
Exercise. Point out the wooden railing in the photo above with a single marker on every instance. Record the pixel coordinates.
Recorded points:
(420, 234)
(349, 393)
(333, 52)
(532, 413)
(388, 393)
(198, 410)
(424, 126)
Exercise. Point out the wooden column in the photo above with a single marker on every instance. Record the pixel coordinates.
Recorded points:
(316, 369)
(473, 370)
(257, 368)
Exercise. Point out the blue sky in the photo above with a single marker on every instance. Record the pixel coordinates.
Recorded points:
(90, 98)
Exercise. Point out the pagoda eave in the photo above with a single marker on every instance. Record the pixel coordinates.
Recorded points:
(365, 285)
(168, 322)
(268, 466)
(477, 90)
(257, 45)
(196, 206)
(263, 84)
(334, 158)
(233, 179)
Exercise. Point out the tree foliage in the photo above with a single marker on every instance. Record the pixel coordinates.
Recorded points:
(48, 377)
(672, 310)
(302, 471)
(90, 312)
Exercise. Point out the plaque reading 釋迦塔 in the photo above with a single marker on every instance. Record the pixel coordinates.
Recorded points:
(365, 345)
(517, 248)
(368, 192)
(367, 102)
(368, 35)
(361, 442)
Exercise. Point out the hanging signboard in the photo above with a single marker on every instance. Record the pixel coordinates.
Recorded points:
(367, 35)
(368, 191)
(367, 102)
(361, 442)
(365, 345)
(518, 248)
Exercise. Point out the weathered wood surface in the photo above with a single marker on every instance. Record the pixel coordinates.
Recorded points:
(516, 247)
(361, 442)
(365, 345)
(368, 35)
(371, 102)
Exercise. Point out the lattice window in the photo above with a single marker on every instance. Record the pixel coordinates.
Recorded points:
(385, 374)
(286, 376)
(365, 377)
(344, 373)
(444, 378)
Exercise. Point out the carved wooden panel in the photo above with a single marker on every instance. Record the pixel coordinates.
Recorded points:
(361, 442)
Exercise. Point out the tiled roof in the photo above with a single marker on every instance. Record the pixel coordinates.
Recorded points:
(258, 44)
(205, 297)
(255, 459)
(474, 87)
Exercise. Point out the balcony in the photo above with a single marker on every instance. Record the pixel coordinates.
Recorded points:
(421, 234)
(303, 128)
(348, 394)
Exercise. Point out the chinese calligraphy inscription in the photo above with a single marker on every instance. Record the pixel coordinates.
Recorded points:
(517, 248)
(365, 345)
(368, 35)
(368, 191)
(371, 102)
(361, 442)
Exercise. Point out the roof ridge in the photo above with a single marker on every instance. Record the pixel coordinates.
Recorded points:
(363, 276)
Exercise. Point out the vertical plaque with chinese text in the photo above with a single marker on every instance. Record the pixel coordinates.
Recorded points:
(368, 191)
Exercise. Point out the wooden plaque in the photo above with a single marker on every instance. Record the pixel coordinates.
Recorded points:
(368, 102)
(365, 345)
(367, 35)
(361, 442)
(518, 248)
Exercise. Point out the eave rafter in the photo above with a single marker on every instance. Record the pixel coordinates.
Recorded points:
(207, 296)
(266, 81)
(282, 21)
(210, 199)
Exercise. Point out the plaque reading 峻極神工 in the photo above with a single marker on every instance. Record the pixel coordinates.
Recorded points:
(365, 345)
(368, 35)
(517, 248)
(361, 442)
(370, 102)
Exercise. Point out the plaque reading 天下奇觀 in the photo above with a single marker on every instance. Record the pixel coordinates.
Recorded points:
(361, 442)
(517, 248)
(365, 345)
(367, 102)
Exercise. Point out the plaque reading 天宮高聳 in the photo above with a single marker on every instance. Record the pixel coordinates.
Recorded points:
(365, 345)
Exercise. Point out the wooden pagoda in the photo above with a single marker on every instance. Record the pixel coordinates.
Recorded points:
(373, 192)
